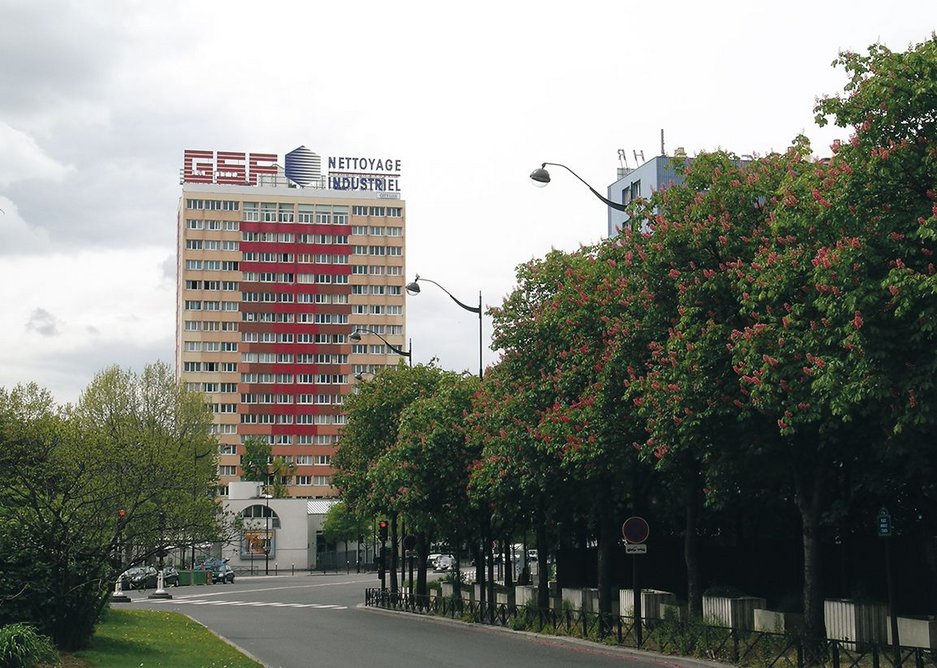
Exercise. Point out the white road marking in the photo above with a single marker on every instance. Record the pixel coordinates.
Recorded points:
(256, 604)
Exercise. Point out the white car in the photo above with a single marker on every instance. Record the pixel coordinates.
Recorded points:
(444, 562)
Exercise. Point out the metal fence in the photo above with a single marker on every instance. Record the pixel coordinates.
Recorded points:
(670, 637)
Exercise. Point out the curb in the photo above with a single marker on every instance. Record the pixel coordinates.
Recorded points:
(595, 647)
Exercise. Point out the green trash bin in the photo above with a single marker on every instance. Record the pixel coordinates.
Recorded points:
(185, 578)
(199, 577)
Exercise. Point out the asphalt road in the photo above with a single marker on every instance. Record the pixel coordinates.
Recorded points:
(319, 620)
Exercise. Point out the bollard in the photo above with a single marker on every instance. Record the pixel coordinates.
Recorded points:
(292, 569)
(276, 568)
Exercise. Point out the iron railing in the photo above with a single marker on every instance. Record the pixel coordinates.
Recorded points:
(670, 637)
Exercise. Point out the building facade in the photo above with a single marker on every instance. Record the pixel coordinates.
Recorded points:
(658, 172)
(277, 266)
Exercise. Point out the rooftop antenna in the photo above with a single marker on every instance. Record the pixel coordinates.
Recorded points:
(662, 151)
(639, 160)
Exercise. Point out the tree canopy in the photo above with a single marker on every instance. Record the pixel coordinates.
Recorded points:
(89, 490)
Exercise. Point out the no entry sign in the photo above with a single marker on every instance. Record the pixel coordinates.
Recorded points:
(635, 530)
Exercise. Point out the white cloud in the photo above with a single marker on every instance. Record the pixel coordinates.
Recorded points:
(21, 158)
(69, 316)
(16, 235)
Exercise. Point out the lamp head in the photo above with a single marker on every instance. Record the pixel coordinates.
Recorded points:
(540, 176)
(355, 336)
(413, 288)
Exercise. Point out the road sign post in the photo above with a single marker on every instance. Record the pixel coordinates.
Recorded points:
(635, 531)
(884, 524)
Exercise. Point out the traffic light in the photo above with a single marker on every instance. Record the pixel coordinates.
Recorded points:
(382, 530)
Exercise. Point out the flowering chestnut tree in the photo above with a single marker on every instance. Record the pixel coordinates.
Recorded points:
(839, 349)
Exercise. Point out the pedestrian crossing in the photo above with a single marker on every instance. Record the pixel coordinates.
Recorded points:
(252, 604)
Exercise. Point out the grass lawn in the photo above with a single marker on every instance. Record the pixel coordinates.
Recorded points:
(155, 638)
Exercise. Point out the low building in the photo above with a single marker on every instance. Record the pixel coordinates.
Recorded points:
(284, 535)
(658, 172)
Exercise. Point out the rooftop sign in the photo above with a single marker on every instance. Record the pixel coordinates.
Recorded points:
(227, 167)
(301, 166)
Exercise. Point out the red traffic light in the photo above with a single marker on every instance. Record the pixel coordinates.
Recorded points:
(382, 529)
(121, 513)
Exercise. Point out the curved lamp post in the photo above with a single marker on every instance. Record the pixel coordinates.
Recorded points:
(541, 177)
(356, 336)
(414, 289)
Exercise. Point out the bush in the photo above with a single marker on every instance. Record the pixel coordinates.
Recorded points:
(452, 576)
(22, 647)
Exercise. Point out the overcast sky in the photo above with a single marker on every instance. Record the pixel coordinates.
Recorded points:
(99, 98)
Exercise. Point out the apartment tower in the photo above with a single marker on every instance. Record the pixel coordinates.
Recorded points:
(278, 264)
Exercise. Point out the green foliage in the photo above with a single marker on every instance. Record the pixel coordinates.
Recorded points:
(452, 576)
(281, 471)
(342, 523)
(424, 474)
(255, 462)
(88, 490)
(22, 647)
(373, 416)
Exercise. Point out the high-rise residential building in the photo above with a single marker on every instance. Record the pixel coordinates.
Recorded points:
(277, 266)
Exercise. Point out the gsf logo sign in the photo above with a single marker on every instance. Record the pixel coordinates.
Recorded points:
(227, 167)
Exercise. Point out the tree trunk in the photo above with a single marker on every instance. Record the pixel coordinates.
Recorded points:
(480, 561)
(393, 553)
(457, 568)
(508, 552)
(608, 539)
(543, 570)
(808, 497)
(422, 551)
(694, 591)
(491, 574)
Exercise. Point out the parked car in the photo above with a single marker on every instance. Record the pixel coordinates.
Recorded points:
(146, 577)
(431, 559)
(170, 577)
(138, 577)
(444, 562)
(222, 573)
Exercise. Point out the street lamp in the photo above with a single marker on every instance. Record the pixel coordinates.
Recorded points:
(356, 336)
(414, 289)
(541, 177)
